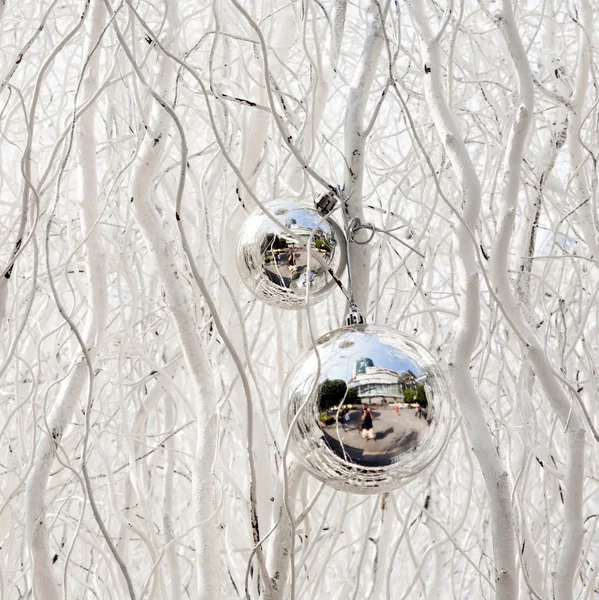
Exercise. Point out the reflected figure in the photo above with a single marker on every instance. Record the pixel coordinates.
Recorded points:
(367, 424)
(275, 266)
(377, 414)
(291, 258)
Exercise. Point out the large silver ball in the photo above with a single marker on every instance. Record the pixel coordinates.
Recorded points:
(369, 367)
(274, 266)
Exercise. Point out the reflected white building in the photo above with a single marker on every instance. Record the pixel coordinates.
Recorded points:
(380, 385)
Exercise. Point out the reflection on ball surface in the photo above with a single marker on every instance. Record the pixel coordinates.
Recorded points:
(375, 415)
(274, 267)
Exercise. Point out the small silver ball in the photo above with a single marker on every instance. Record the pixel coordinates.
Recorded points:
(274, 266)
(372, 415)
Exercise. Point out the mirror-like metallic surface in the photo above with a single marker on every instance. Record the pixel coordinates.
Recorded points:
(275, 268)
(375, 415)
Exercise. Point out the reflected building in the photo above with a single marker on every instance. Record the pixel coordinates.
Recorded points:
(379, 385)
(361, 366)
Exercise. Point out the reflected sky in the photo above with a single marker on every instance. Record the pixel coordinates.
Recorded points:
(289, 214)
(339, 353)
(342, 362)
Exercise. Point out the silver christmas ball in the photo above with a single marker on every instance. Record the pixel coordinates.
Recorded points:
(369, 412)
(276, 268)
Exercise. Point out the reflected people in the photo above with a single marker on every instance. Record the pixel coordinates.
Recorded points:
(367, 424)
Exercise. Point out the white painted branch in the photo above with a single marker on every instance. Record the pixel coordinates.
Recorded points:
(44, 581)
(587, 218)
(207, 536)
(88, 173)
(441, 551)
(279, 551)
(196, 359)
(531, 572)
(338, 26)
(496, 478)
(354, 142)
(383, 549)
(167, 523)
(322, 74)
(568, 415)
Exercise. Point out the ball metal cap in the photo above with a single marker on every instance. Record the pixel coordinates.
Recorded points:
(325, 203)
